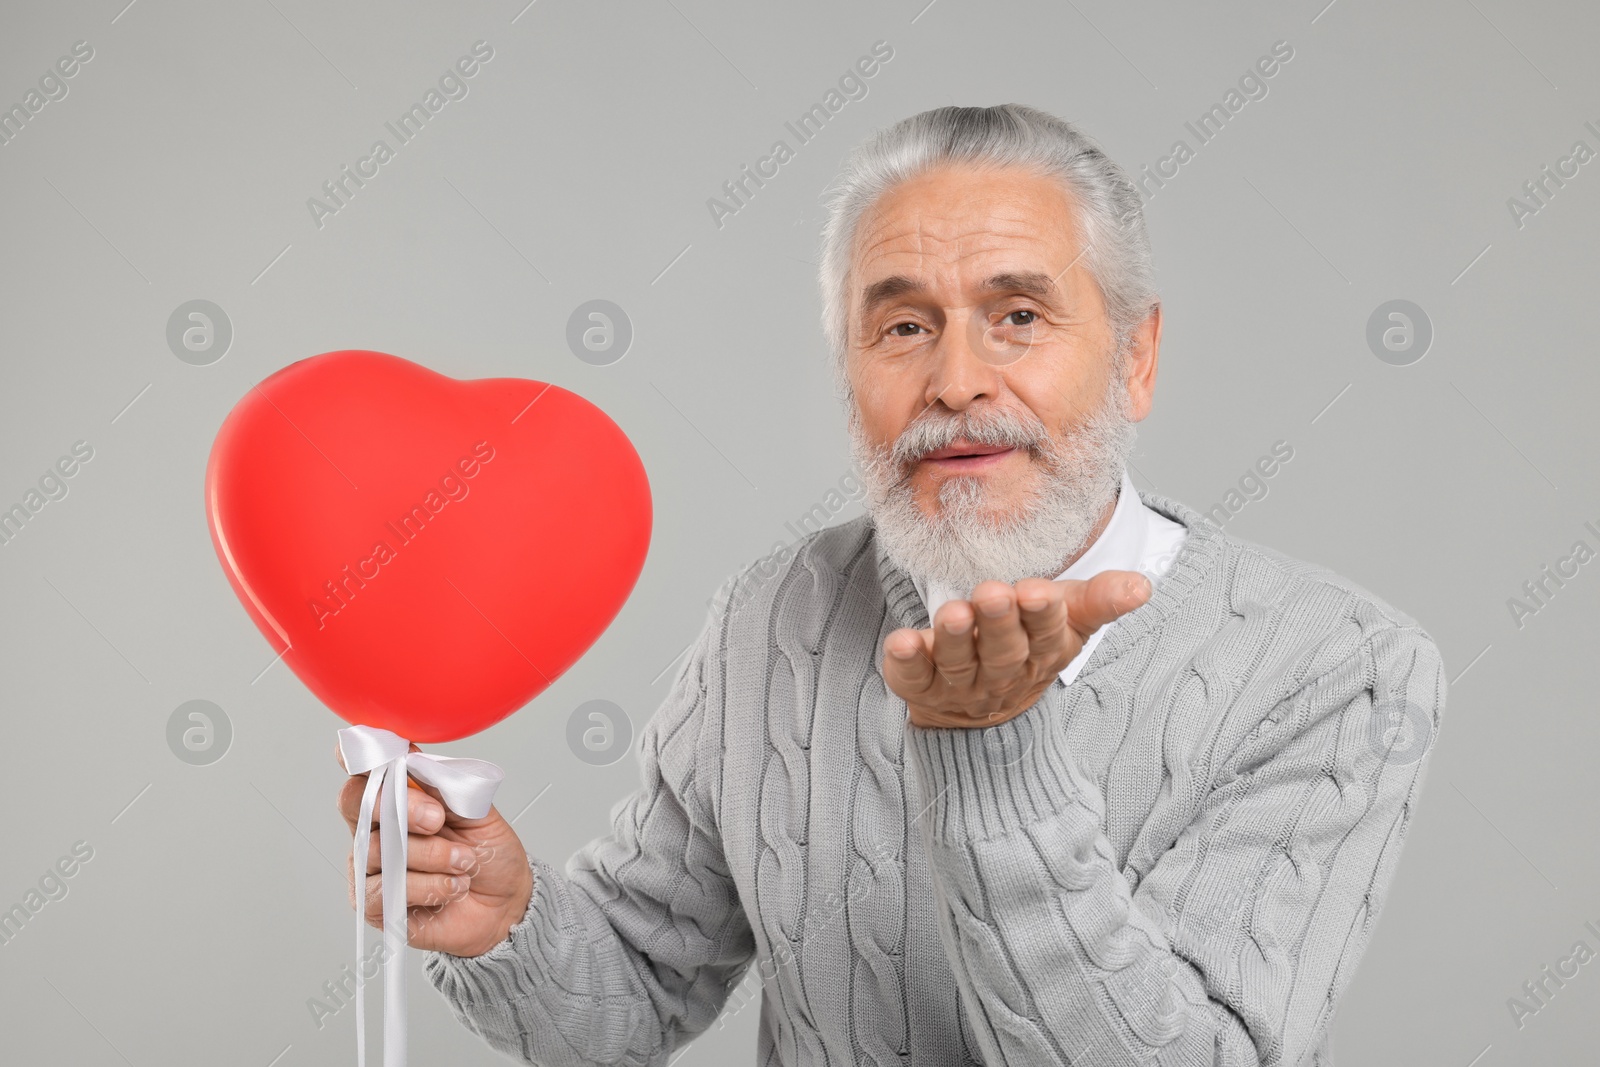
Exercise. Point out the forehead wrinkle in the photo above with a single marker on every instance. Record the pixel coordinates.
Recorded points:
(969, 267)
(924, 235)
(1007, 207)
(928, 227)
(1004, 225)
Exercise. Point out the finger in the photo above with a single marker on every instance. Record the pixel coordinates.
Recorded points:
(425, 813)
(907, 662)
(955, 653)
(349, 801)
(348, 807)
(1104, 598)
(1002, 642)
(422, 890)
(418, 920)
(1042, 605)
(451, 818)
(427, 852)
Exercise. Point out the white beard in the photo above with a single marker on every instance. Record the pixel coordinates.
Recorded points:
(966, 543)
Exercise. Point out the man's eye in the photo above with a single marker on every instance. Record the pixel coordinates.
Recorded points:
(895, 329)
(1029, 321)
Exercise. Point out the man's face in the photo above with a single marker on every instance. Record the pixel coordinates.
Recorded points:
(981, 359)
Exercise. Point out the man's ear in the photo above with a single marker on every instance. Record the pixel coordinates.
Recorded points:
(1144, 352)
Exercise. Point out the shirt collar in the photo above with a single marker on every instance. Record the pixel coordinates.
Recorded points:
(1121, 545)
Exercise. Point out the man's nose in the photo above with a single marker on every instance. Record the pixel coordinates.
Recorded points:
(963, 367)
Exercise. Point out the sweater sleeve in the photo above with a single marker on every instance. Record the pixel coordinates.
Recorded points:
(631, 952)
(1236, 946)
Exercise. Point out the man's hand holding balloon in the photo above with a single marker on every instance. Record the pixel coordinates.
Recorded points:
(467, 882)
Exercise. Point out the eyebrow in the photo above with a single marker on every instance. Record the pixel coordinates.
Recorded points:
(1032, 283)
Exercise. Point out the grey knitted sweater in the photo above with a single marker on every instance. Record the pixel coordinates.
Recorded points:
(1176, 859)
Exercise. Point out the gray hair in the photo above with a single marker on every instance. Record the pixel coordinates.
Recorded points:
(1110, 219)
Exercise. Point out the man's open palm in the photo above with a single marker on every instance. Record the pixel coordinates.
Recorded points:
(989, 659)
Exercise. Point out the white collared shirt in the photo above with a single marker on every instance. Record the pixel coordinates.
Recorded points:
(1137, 538)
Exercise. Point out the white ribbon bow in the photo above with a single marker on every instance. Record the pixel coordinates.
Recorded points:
(467, 786)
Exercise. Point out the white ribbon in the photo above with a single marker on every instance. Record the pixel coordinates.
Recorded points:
(467, 786)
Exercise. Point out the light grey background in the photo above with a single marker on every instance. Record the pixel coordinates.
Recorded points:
(578, 167)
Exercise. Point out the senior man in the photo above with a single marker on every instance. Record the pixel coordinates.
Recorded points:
(1021, 767)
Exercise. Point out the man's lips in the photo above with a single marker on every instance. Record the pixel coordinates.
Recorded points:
(963, 455)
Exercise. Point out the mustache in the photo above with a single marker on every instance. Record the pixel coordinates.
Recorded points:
(995, 427)
(999, 428)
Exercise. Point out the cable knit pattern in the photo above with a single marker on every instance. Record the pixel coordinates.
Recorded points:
(1176, 860)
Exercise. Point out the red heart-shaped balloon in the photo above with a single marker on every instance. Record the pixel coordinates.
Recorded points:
(427, 554)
